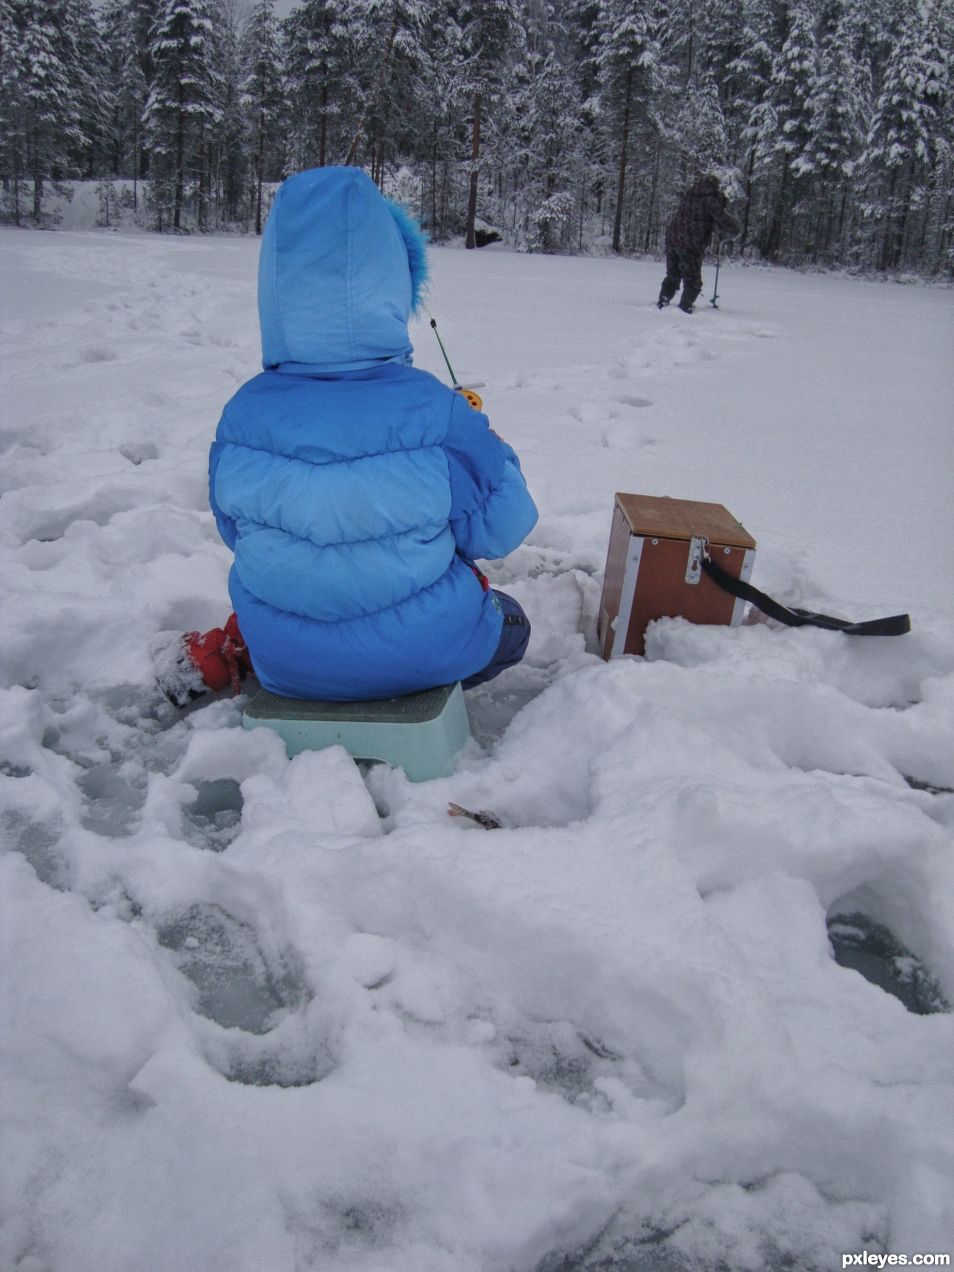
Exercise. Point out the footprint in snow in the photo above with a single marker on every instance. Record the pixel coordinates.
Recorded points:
(100, 510)
(262, 1030)
(137, 452)
(625, 437)
(588, 412)
(96, 353)
(636, 402)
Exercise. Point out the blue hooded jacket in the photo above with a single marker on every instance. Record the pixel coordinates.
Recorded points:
(350, 486)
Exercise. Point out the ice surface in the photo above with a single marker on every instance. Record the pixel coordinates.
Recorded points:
(290, 1016)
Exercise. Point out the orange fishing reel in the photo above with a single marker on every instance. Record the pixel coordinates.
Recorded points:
(470, 397)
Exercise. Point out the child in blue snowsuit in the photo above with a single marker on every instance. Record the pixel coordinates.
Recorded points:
(354, 490)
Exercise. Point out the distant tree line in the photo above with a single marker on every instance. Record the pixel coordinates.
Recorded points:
(559, 124)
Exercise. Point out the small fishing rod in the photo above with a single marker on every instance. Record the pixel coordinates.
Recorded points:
(465, 390)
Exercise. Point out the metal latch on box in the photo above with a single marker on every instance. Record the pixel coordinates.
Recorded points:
(698, 547)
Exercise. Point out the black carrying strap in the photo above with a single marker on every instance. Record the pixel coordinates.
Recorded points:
(896, 625)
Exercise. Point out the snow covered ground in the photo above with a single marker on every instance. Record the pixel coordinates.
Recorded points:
(268, 1016)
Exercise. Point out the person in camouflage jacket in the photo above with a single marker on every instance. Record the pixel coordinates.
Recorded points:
(701, 210)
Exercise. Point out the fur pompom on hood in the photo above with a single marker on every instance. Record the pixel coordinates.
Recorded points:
(415, 240)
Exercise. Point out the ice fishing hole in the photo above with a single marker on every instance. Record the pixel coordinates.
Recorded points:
(113, 803)
(917, 784)
(868, 947)
(38, 842)
(216, 812)
(235, 985)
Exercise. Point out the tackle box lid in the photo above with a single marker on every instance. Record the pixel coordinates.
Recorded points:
(664, 518)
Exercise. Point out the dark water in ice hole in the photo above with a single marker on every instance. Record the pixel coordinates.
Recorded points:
(870, 948)
(216, 812)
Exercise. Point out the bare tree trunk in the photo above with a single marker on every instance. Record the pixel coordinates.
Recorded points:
(180, 165)
(259, 170)
(650, 213)
(135, 166)
(841, 234)
(323, 127)
(37, 175)
(471, 240)
(621, 180)
(204, 184)
(434, 229)
(16, 188)
(886, 242)
(774, 237)
(582, 211)
(749, 169)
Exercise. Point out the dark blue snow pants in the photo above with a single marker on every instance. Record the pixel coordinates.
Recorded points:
(514, 638)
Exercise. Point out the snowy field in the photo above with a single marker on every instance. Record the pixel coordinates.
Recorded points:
(270, 1016)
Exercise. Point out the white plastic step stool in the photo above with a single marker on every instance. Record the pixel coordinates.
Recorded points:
(420, 733)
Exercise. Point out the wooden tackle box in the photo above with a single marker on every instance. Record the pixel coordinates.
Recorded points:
(653, 568)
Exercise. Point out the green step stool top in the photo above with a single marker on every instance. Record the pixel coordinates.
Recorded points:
(420, 733)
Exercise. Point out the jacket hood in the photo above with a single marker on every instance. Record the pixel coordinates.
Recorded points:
(340, 272)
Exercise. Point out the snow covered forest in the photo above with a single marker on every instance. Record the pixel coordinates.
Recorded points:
(565, 127)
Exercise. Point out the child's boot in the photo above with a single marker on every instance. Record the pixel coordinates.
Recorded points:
(191, 665)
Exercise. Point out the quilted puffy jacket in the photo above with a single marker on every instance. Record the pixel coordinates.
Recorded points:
(353, 488)
(701, 210)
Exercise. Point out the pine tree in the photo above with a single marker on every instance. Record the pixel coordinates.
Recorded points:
(678, 28)
(543, 156)
(183, 103)
(263, 98)
(227, 168)
(486, 27)
(582, 52)
(836, 134)
(321, 38)
(699, 132)
(129, 91)
(751, 125)
(48, 75)
(906, 138)
(440, 148)
(12, 126)
(935, 251)
(628, 61)
(722, 28)
(792, 90)
(397, 92)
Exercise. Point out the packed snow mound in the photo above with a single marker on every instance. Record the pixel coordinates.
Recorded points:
(687, 1009)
